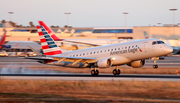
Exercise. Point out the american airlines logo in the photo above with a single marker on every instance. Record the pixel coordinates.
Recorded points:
(124, 51)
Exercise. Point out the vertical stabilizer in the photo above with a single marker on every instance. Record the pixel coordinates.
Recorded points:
(146, 36)
(2, 40)
(49, 30)
(49, 46)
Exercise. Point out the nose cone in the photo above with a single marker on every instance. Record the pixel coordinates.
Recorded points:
(169, 50)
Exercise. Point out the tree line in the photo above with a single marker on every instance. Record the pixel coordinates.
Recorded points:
(31, 24)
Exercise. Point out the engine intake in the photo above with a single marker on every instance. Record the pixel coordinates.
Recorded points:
(136, 64)
(104, 63)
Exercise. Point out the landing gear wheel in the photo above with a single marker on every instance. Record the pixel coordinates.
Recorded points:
(155, 66)
(94, 72)
(118, 72)
(114, 72)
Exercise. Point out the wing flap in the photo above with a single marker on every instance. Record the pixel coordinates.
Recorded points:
(38, 58)
(75, 59)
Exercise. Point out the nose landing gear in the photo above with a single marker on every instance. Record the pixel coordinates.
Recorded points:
(155, 66)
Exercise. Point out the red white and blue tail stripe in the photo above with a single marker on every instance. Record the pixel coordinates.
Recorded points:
(49, 46)
(2, 39)
(53, 35)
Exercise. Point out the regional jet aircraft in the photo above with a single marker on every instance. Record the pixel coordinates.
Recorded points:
(99, 42)
(132, 53)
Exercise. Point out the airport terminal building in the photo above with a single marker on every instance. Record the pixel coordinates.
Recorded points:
(163, 32)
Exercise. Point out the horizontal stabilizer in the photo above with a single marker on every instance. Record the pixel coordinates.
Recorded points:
(35, 51)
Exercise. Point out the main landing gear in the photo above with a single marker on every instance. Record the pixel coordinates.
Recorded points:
(94, 72)
(116, 71)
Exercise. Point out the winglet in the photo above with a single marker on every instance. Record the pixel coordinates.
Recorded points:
(146, 36)
(50, 31)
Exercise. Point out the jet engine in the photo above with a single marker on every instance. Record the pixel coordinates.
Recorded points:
(103, 63)
(136, 64)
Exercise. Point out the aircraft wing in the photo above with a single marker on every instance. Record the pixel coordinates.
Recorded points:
(39, 58)
(75, 60)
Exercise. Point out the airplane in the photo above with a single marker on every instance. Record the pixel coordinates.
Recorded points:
(3, 46)
(19, 48)
(98, 42)
(2, 41)
(132, 53)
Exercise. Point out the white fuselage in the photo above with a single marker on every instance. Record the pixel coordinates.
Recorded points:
(123, 52)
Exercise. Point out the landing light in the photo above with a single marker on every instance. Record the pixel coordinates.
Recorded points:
(113, 58)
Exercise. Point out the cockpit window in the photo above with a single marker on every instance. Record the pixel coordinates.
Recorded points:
(157, 42)
(154, 42)
(160, 42)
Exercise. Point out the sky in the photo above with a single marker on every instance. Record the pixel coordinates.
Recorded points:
(91, 13)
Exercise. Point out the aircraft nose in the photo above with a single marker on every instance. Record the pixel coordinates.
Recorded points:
(169, 50)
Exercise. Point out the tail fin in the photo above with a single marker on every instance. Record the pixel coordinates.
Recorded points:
(146, 36)
(2, 40)
(49, 46)
(53, 35)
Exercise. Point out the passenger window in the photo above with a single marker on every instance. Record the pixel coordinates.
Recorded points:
(101, 51)
(87, 53)
(94, 52)
(104, 50)
(132, 46)
(125, 47)
(118, 48)
(73, 55)
(111, 49)
(83, 53)
(77, 55)
(80, 55)
(108, 50)
(115, 49)
(91, 53)
(97, 51)
(136, 45)
(129, 47)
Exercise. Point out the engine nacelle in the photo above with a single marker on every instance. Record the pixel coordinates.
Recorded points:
(103, 63)
(136, 64)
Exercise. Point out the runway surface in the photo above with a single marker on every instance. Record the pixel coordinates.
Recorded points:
(85, 76)
(167, 62)
(9, 70)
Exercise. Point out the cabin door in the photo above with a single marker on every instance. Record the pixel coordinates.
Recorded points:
(145, 46)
